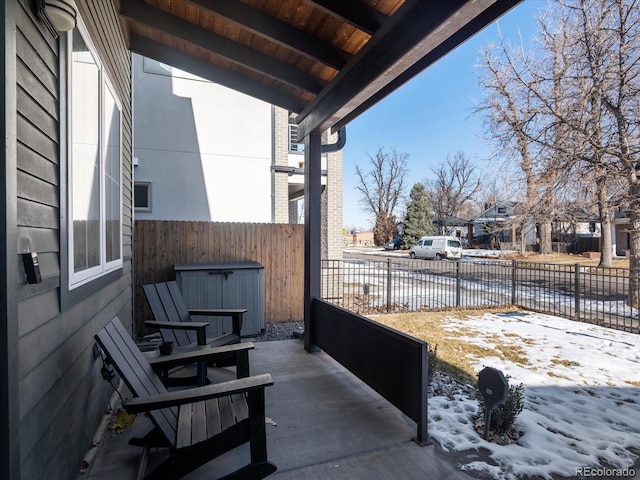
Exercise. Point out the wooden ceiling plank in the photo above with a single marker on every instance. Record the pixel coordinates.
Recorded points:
(140, 12)
(355, 13)
(192, 14)
(276, 31)
(415, 30)
(205, 69)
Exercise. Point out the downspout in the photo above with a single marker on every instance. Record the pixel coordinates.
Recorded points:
(313, 151)
(339, 145)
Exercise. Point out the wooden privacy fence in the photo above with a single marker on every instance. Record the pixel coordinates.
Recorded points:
(159, 245)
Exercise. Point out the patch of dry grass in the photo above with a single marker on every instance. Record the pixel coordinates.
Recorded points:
(455, 355)
(566, 258)
(564, 363)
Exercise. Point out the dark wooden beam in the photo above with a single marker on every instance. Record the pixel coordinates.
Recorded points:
(143, 13)
(413, 32)
(277, 31)
(205, 69)
(481, 21)
(354, 12)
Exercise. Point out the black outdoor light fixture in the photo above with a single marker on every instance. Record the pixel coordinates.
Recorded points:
(494, 389)
(31, 267)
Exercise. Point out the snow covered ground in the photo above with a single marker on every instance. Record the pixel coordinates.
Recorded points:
(581, 399)
(467, 252)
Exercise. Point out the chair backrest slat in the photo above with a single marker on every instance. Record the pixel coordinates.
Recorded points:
(162, 300)
(178, 301)
(136, 372)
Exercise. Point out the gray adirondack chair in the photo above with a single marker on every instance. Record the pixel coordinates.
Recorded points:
(173, 318)
(196, 424)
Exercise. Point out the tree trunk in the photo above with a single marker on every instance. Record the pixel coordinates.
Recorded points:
(545, 238)
(606, 256)
(634, 244)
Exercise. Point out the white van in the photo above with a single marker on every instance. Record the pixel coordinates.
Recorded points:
(436, 247)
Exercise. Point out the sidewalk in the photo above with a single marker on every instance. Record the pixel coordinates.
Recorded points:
(323, 423)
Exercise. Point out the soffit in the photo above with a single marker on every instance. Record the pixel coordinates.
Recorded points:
(325, 60)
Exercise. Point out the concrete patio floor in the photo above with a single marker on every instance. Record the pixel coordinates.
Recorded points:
(323, 423)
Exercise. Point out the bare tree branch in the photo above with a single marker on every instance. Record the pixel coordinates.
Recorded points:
(381, 188)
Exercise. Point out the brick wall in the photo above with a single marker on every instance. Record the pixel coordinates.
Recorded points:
(287, 212)
(281, 180)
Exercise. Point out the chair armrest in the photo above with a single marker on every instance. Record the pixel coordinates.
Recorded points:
(199, 327)
(177, 325)
(217, 312)
(192, 395)
(236, 315)
(209, 353)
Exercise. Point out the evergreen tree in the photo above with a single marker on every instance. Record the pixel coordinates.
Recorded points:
(418, 221)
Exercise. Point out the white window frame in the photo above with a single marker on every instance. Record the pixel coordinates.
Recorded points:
(85, 276)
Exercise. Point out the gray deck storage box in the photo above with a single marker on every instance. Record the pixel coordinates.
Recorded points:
(225, 285)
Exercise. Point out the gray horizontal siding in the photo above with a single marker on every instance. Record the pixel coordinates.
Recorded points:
(33, 111)
(37, 310)
(32, 138)
(42, 61)
(37, 190)
(62, 395)
(41, 95)
(59, 410)
(33, 162)
(46, 239)
(36, 214)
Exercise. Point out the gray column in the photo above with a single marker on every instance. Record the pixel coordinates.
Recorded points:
(312, 229)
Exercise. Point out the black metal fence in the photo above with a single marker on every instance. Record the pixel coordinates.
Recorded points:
(590, 294)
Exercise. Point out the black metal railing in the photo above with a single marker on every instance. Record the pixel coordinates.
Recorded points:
(591, 294)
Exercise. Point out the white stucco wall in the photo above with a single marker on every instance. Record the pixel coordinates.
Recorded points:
(205, 149)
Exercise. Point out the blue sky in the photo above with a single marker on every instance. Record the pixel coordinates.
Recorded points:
(431, 116)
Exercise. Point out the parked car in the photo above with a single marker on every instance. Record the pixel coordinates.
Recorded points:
(436, 247)
(394, 244)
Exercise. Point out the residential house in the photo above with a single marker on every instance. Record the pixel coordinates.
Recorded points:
(359, 239)
(576, 232)
(453, 227)
(500, 223)
(67, 220)
(620, 235)
(67, 141)
(244, 166)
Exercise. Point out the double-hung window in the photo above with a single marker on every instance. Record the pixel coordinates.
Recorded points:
(95, 165)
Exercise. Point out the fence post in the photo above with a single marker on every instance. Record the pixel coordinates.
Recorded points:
(576, 285)
(514, 272)
(458, 286)
(388, 285)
